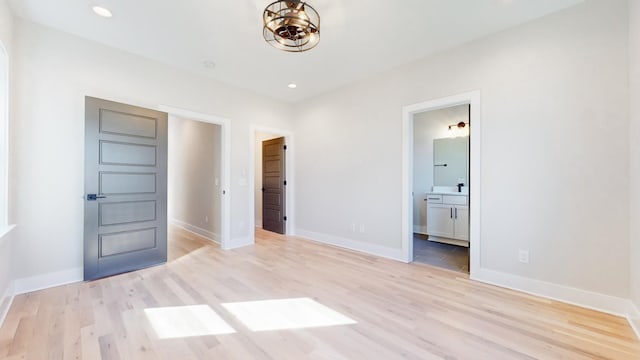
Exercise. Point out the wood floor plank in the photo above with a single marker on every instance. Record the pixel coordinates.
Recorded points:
(402, 311)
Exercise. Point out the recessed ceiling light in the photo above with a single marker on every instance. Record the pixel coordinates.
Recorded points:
(292, 86)
(209, 64)
(104, 12)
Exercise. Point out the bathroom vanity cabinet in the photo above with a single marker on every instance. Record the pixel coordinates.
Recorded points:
(448, 218)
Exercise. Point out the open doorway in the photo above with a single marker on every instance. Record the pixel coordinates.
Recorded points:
(270, 182)
(277, 141)
(195, 185)
(449, 202)
(441, 187)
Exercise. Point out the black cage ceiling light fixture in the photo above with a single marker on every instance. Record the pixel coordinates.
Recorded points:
(291, 25)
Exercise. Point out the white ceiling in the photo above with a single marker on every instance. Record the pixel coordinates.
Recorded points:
(358, 37)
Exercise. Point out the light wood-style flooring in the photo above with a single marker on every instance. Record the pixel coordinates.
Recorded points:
(401, 311)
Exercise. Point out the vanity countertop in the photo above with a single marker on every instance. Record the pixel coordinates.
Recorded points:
(448, 190)
(448, 193)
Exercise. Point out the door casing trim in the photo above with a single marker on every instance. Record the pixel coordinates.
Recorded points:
(469, 98)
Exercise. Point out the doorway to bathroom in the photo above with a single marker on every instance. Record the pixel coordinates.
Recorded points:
(441, 172)
(441, 187)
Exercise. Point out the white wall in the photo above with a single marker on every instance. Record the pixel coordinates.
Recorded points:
(428, 126)
(6, 239)
(6, 37)
(194, 192)
(634, 137)
(6, 25)
(554, 113)
(260, 137)
(54, 72)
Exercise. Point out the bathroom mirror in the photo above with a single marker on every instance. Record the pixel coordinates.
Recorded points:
(451, 161)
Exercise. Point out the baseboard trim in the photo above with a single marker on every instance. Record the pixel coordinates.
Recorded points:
(419, 229)
(5, 231)
(634, 318)
(39, 282)
(237, 243)
(586, 299)
(211, 236)
(372, 249)
(5, 302)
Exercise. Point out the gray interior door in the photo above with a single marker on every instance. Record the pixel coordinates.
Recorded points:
(125, 215)
(273, 185)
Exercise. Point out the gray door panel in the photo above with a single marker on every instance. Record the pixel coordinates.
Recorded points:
(119, 153)
(126, 168)
(126, 212)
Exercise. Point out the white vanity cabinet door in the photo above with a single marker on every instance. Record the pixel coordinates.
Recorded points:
(461, 215)
(440, 220)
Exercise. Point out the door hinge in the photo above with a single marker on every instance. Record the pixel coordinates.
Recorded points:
(285, 218)
(285, 183)
(285, 147)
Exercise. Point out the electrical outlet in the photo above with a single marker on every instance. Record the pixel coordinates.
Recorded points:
(523, 256)
(206, 219)
(353, 227)
(361, 228)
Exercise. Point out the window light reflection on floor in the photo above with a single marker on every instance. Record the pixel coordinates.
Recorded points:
(285, 314)
(186, 321)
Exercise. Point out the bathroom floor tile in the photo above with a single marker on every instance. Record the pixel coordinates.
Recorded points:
(446, 256)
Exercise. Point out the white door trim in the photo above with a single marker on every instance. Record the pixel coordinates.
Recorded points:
(472, 98)
(289, 174)
(5, 104)
(225, 178)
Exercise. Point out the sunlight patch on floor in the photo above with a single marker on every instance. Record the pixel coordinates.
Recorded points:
(285, 314)
(186, 321)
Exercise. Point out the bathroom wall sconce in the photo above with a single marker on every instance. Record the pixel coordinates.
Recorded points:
(459, 129)
(460, 125)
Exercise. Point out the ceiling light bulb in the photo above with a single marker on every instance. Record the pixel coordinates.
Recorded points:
(104, 12)
(292, 86)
